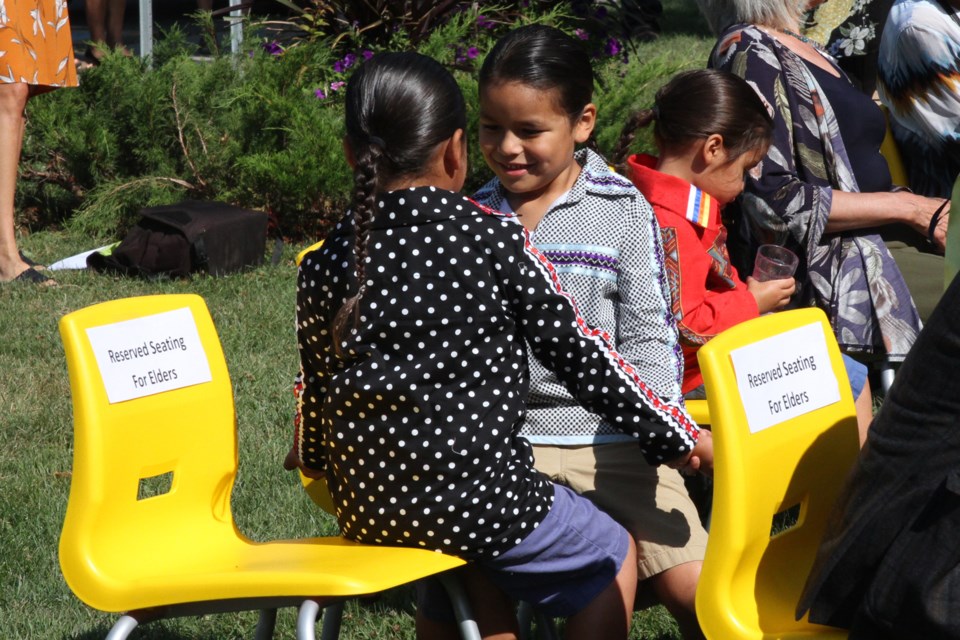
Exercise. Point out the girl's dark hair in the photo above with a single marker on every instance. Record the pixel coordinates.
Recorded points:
(544, 58)
(696, 104)
(399, 107)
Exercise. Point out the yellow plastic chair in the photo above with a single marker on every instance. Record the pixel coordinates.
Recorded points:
(891, 153)
(770, 470)
(148, 528)
(699, 410)
(304, 252)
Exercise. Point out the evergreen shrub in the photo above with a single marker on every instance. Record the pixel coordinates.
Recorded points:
(261, 130)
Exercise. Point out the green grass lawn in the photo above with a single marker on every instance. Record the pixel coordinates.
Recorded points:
(254, 314)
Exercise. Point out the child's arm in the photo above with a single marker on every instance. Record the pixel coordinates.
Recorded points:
(313, 341)
(585, 361)
(646, 332)
(712, 298)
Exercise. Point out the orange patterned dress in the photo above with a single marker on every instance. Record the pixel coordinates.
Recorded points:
(36, 46)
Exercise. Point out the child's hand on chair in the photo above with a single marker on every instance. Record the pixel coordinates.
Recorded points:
(700, 459)
(293, 461)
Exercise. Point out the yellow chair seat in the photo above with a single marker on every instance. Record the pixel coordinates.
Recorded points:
(228, 568)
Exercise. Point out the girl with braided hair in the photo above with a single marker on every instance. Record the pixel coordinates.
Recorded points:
(412, 319)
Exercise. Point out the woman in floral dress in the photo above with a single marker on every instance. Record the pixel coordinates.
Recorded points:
(36, 55)
(824, 190)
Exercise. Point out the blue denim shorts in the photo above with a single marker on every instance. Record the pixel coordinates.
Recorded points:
(857, 373)
(559, 568)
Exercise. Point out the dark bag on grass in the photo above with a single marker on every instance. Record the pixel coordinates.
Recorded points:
(188, 237)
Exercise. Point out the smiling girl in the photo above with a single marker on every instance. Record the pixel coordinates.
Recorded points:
(536, 88)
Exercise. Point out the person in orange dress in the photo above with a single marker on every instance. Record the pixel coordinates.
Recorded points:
(36, 55)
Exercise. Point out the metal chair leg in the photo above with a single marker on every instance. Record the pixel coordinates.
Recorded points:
(546, 627)
(461, 606)
(122, 628)
(887, 373)
(525, 620)
(266, 624)
(332, 616)
(307, 620)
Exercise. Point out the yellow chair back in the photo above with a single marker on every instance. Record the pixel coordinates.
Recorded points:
(891, 153)
(186, 435)
(776, 452)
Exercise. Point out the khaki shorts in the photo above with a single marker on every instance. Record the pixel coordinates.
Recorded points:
(652, 503)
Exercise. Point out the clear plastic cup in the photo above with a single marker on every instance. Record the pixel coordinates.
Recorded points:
(774, 263)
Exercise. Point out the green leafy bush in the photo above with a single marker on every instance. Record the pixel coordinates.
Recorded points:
(261, 130)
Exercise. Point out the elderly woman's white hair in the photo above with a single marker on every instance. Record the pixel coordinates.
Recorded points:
(776, 14)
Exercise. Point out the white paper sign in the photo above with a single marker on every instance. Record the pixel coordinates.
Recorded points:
(785, 376)
(149, 355)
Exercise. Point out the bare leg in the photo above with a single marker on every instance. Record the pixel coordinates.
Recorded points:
(494, 612)
(608, 615)
(115, 23)
(97, 20)
(864, 406)
(105, 19)
(676, 589)
(13, 99)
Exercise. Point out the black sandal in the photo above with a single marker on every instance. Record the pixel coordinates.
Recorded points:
(33, 276)
(31, 263)
(934, 220)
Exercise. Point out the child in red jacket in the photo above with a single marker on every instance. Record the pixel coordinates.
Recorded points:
(710, 128)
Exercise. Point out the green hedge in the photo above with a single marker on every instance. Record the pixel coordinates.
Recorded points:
(251, 130)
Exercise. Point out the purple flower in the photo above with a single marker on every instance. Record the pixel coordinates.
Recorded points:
(367, 54)
(349, 60)
(580, 33)
(484, 23)
(320, 95)
(472, 52)
(273, 48)
(613, 47)
(336, 86)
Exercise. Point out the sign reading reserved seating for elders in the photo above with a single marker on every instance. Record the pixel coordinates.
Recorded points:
(785, 376)
(149, 355)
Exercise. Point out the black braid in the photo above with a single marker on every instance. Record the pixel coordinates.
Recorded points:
(364, 206)
(399, 106)
(636, 121)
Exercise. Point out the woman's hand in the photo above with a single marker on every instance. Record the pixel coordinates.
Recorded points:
(772, 294)
(930, 218)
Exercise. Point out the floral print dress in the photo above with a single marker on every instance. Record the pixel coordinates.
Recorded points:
(36, 46)
(787, 200)
(850, 30)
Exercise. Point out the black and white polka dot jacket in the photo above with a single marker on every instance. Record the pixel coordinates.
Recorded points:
(416, 421)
